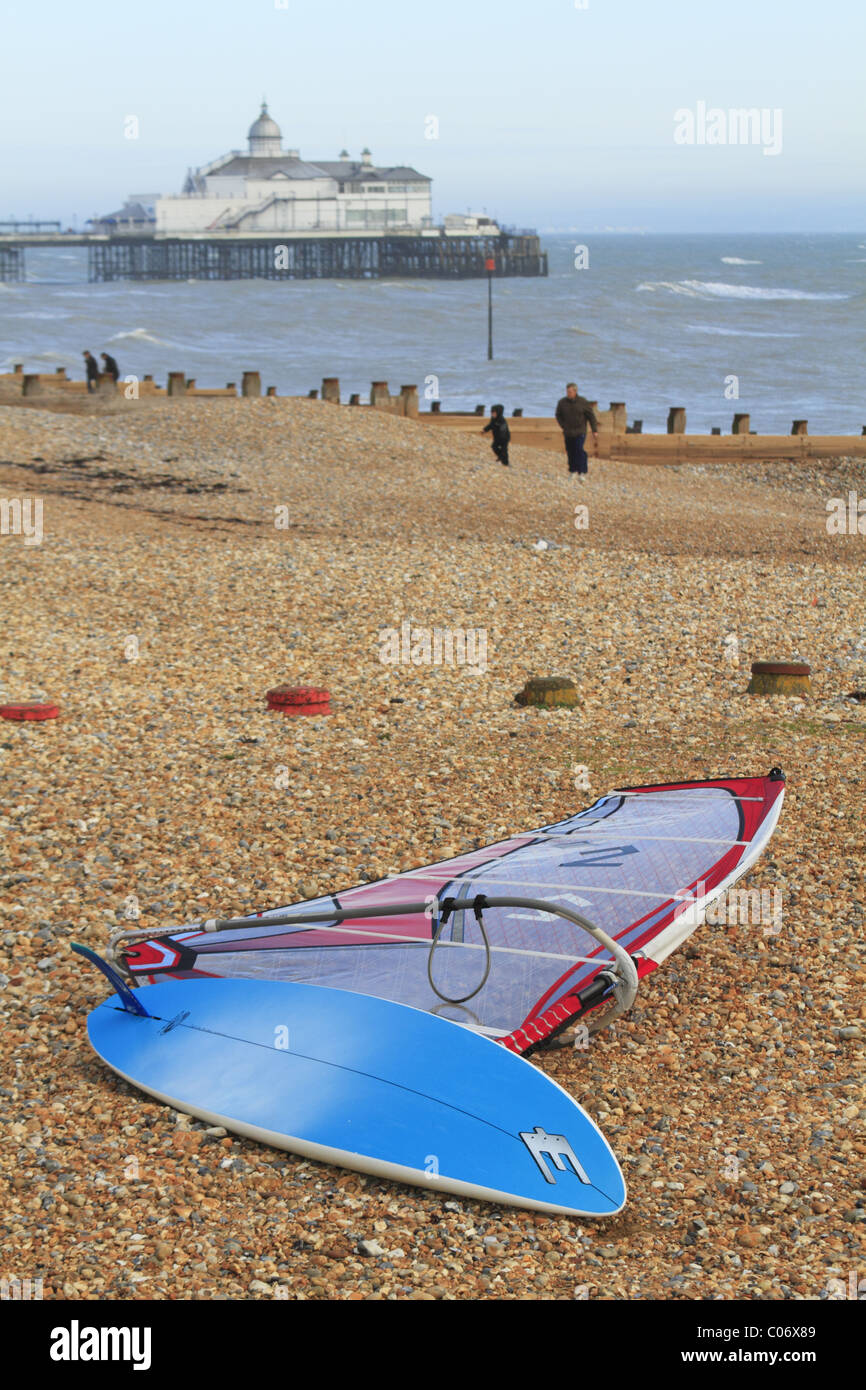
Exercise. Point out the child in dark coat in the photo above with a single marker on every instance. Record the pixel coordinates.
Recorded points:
(498, 427)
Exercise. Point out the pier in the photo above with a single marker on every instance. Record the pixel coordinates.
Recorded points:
(431, 254)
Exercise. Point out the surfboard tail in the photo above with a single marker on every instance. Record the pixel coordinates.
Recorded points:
(127, 997)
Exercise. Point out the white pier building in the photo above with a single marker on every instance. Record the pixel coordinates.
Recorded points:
(270, 190)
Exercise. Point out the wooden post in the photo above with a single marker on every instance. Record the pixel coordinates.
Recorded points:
(251, 384)
(550, 691)
(677, 419)
(618, 418)
(312, 395)
(409, 397)
(60, 373)
(800, 427)
(230, 386)
(436, 407)
(741, 424)
(190, 384)
(272, 391)
(716, 429)
(355, 399)
(31, 385)
(148, 376)
(380, 396)
(479, 410)
(517, 412)
(18, 369)
(780, 678)
(176, 384)
(331, 389)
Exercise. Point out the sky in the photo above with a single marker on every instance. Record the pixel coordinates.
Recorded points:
(554, 114)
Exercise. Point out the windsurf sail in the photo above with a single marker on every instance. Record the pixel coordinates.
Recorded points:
(641, 865)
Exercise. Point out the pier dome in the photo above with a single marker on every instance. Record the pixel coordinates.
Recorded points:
(264, 135)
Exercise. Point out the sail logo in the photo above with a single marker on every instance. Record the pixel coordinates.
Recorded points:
(555, 1147)
(611, 857)
(77, 1343)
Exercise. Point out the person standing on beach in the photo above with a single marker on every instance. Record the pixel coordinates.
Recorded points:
(498, 427)
(92, 368)
(573, 413)
(110, 367)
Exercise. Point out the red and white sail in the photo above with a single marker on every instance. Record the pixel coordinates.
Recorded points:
(642, 864)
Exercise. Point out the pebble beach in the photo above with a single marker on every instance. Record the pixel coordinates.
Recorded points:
(195, 554)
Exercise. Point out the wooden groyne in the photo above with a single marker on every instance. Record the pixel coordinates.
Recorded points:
(617, 438)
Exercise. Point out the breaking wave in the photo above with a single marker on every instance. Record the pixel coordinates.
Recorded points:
(139, 335)
(717, 289)
(738, 260)
(736, 332)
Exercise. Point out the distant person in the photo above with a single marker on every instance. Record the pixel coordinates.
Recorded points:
(110, 367)
(498, 427)
(573, 413)
(92, 368)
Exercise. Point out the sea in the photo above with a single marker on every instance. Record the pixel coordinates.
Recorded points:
(770, 325)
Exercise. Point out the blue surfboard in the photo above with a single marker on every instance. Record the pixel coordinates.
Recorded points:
(364, 1084)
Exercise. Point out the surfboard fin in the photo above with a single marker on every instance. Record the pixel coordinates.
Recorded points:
(131, 1003)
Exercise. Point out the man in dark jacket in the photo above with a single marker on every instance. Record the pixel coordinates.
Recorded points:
(110, 367)
(498, 427)
(92, 368)
(573, 413)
